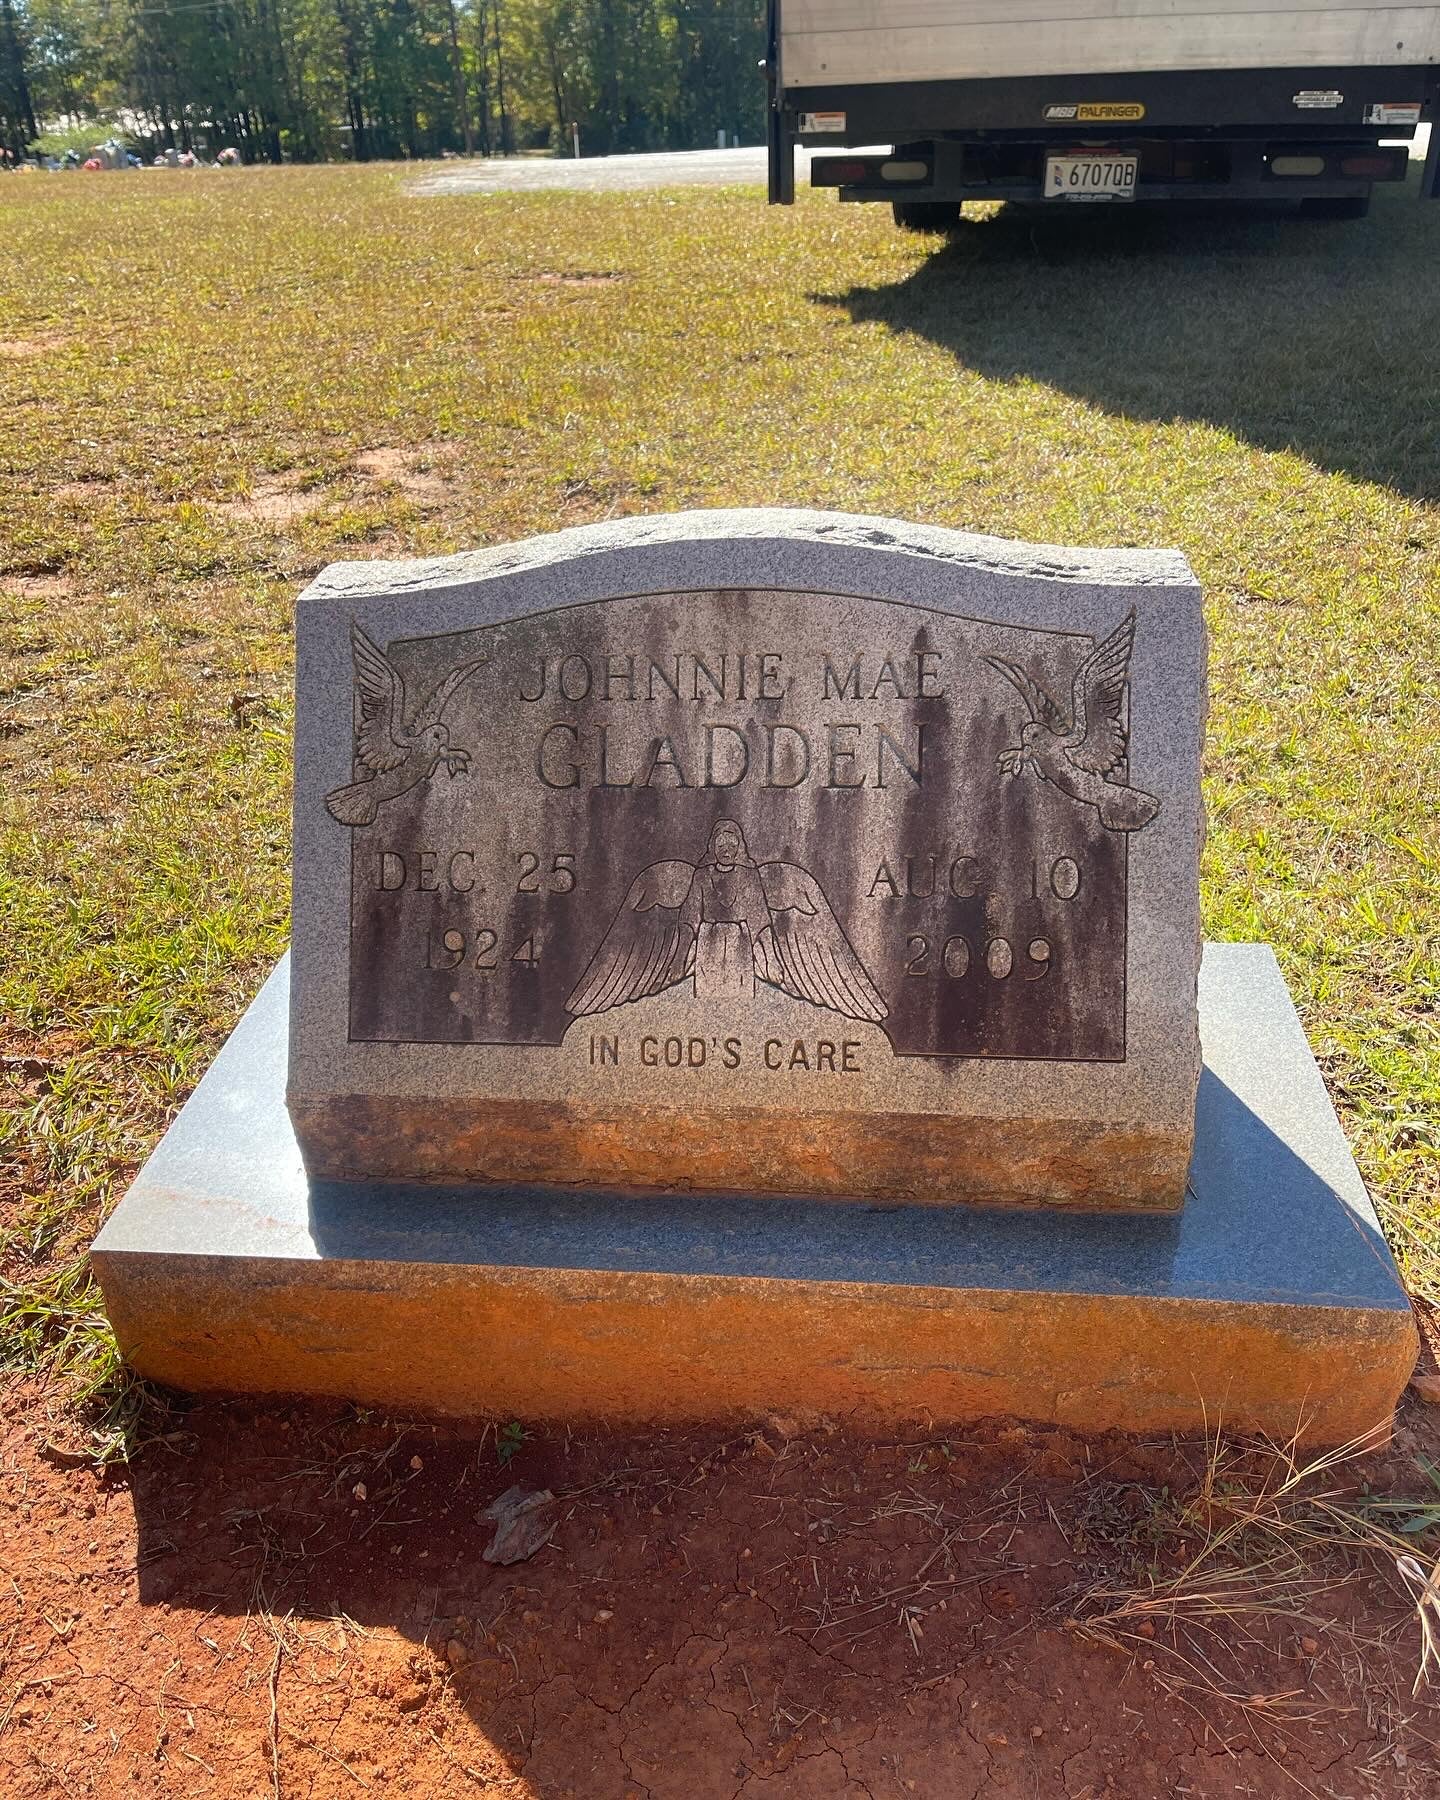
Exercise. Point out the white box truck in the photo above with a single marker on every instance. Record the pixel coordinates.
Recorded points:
(1079, 101)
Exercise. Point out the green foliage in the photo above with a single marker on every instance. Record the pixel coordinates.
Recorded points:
(1409, 1516)
(82, 138)
(311, 79)
(509, 1442)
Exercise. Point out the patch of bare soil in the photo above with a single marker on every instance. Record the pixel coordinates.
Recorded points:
(17, 348)
(293, 1601)
(35, 1055)
(40, 587)
(576, 278)
(274, 500)
(86, 489)
(414, 472)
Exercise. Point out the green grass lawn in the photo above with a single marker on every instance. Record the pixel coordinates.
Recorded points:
(211, 385)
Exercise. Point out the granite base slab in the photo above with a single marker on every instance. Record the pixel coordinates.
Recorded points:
(1270, 1302)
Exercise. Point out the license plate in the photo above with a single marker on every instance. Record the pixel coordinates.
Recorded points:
(1095, 176)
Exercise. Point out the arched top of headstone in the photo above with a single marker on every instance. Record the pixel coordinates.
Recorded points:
(756, 536)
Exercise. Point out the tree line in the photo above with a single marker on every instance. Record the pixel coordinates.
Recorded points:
(310, 80)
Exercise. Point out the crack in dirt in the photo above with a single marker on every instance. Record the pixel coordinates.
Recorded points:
(1065, 1761)
(744, 1699)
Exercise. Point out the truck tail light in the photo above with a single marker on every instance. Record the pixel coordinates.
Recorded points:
(1374, 165)
(838, 171)
(1347, 161)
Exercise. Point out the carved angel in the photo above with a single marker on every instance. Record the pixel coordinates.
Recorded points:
(727, 922)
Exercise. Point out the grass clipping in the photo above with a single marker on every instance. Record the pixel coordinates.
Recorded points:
(1274, 1538)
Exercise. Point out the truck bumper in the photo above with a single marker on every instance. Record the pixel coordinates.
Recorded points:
(1204, 135)
(1170, 169)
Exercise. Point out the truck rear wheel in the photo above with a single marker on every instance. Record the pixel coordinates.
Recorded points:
(1354, 206)
(926, 215)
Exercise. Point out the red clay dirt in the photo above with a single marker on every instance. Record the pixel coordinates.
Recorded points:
(291, 1601)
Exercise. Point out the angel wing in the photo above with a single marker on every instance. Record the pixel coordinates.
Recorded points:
(434, 708)
(814, 956)
(1097, 740)
(382, 706)
(648, 946)
(1042, 708)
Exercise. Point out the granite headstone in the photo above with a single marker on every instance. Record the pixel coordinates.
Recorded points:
(767, 852)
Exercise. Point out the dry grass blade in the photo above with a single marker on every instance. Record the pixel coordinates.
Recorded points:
(1276, 1535)
(1426, 1588)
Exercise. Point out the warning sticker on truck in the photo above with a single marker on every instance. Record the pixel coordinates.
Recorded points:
(1393, 112)
(1087, 112)
(821, 121)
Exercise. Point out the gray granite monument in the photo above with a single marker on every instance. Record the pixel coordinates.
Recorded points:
(762, 852)
(752, 960)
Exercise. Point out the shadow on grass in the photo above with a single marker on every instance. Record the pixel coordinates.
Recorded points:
(1291, 333)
